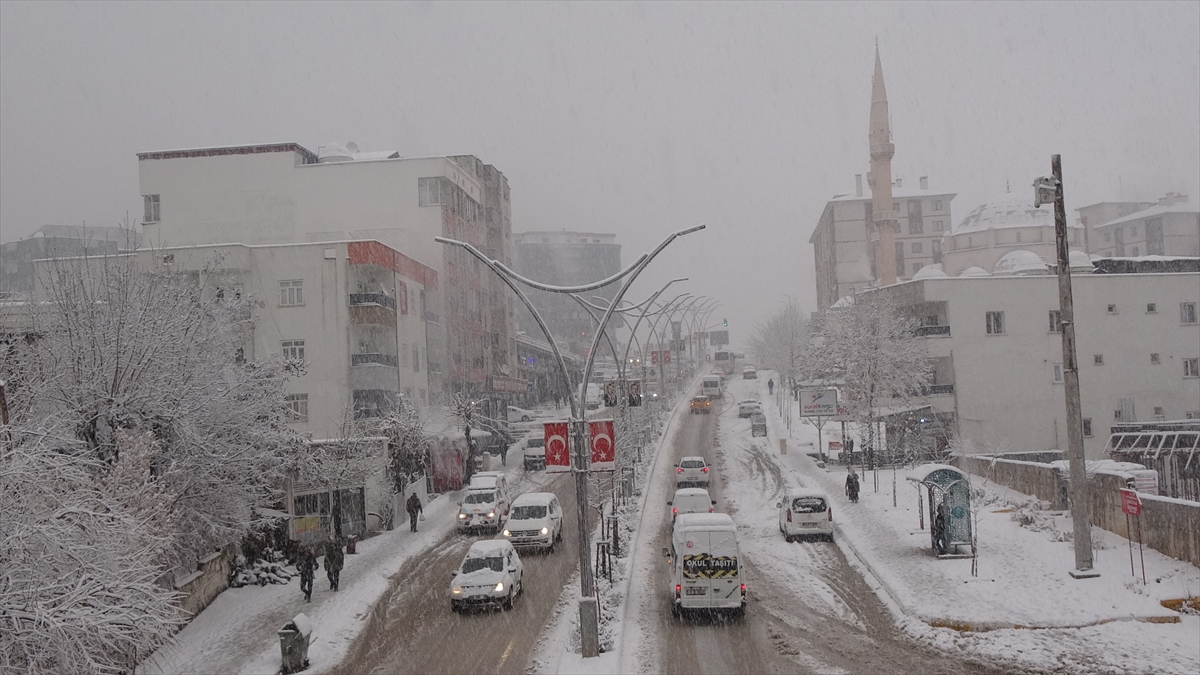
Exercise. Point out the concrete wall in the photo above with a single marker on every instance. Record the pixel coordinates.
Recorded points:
(1031, 478)
(201, 587)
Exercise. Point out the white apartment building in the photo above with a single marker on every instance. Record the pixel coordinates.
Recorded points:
(1169, 228)
(996, 347)
(999, 227)
(286, 194)
(842, 244)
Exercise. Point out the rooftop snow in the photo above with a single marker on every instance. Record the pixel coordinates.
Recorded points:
(1007, 210)
(1157, 210)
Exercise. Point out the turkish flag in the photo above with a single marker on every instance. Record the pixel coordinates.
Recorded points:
(667, 356)
(604, 450)
(558, 449)
(654, 358)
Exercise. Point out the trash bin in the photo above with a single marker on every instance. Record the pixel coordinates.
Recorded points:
(293, 644)
(352, 544)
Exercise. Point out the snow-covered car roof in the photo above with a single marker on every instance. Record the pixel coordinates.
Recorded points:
(534, 499)
(750, 400)
(807, 492)
(487, 548)
(691, 492)
(704, 521)
(701, 397)
(684, 459)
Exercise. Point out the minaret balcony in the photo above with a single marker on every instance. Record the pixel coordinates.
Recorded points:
(882, 151)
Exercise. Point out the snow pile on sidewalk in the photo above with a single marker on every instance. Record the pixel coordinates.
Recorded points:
(1023, 560)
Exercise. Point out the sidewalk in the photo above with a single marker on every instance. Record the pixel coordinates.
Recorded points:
(1022, 582)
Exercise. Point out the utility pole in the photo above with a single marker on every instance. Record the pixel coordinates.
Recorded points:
(1079, 489)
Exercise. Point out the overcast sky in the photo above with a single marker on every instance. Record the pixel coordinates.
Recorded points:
(638, 119)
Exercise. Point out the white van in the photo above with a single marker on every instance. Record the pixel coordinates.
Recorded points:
(704, 555)
(805, 512)
(690, 500)
(535, 521)
(710, 386)
(486, 503)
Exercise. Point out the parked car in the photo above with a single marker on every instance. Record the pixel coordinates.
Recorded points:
(805, 512)
(749, 373)
(692, 471)
(690, 500)
(701, 404)
(535, 521)
(758, 424)
(516, 414)
(749, 407)
(490, 574)
(534, 450)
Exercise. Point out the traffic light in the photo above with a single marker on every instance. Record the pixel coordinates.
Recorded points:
(725, 322)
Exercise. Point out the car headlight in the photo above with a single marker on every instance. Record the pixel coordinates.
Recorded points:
(545, 530)
(462, 516)
(456, 590)
(491, 514)
(500, 587)
(506, 532)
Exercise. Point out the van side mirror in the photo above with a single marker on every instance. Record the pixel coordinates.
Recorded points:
(454, 573)
(512, 570)
(668, 503)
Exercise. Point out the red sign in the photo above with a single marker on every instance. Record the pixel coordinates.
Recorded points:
(604, 450)
(654, 358)
(667, 356)
(1131, 504)
(558, 450)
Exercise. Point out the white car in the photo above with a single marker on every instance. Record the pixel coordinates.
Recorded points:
(516, 414)
(748, 407)
(490, 574)
(482, 509)
(535, 521)
(690, 500)
(749, 373)
(805, 512)
(692, 472)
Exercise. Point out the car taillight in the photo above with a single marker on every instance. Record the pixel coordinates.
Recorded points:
(743, 589)
(679, 470)
(789, 515)
(674, 510)
(678, 589)
(704, 469)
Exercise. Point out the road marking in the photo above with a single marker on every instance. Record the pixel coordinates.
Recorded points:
(504, 656)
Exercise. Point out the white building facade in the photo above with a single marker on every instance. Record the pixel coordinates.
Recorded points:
(999, 227)
(996, 346)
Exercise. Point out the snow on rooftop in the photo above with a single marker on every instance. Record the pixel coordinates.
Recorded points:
(933, 271)
(488, 547)
(1181, 206)
(974, 271)
(1007, 210)
(843, 303)
(1080, 261)
(1020, 261)
(897, 193)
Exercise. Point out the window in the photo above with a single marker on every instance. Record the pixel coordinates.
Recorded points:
(1158, 413)
(1154, 358)
(917, 247)
(1058, 373)
(299, 406)
(995, 323)
(291, 293)
(429, 192)
(915, 226)
(937, 205)
(1055, 321)
(1191, 367)
(1187, 312)
(939, 226)
(152, 211)
(1112, 309)
(1098, 359)
(1087, 427)
(293, 350)
(1151, 308)
(937, 247)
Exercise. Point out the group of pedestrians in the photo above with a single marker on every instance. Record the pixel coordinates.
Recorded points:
(335, 554)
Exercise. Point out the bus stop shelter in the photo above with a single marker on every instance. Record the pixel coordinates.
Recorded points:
(948, 494)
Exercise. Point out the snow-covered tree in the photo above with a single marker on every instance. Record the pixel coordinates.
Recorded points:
(779, 343)
(871, 350)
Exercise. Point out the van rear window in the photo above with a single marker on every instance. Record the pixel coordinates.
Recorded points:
(808, 505)
(538, 442)
(692, 463)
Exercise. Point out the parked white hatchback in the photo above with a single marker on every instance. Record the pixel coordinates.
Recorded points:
(490, 574)
(535, 521)
(692, 472)
(748, 407)
(690, 500)
(805, 512)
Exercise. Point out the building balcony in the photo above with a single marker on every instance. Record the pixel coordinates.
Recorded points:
(368, 299)
(938, 390)
(373, 358)
(377, 374)
(933, 331)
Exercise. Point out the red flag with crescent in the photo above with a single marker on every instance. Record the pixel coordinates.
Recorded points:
(558, 449)
(604, 445)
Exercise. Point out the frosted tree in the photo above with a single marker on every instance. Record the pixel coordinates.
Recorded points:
(871, 350)
(780, 342)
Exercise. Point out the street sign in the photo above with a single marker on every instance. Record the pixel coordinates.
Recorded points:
(1131, 504)
(603, 442)
(558, 450)
(719, 338)
(818, 402)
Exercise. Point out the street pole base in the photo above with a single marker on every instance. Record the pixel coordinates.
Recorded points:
(589, 628)
(1084, 574)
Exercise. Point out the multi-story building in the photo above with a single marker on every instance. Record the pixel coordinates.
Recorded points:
(56, 241)
(286, 194)
(996, 347)
(565, 258)
(1169, 228)
(999, 227)
(842, 244)
(537, 366)
(1092, 215)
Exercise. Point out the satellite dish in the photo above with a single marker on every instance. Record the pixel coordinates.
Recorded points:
(352, 146)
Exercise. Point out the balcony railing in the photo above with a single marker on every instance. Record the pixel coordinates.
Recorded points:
(929, 331)
(936, 389)
(380, 359)
(373, 299)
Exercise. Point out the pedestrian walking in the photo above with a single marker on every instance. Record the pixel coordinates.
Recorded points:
(335, 558)
(939, 530)
(414, 508)
(771, 386)
(308, 568)
(852, 485)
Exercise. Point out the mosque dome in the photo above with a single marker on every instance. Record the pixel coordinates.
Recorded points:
(1007, 210)
(1020, 262)
(930, 272)
(974, 271)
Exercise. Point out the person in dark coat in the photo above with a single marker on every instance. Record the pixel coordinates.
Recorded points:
(939, 530)
(852, 485)
(335, 558)
(308, 567)
(771, 386)
(414, 508)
